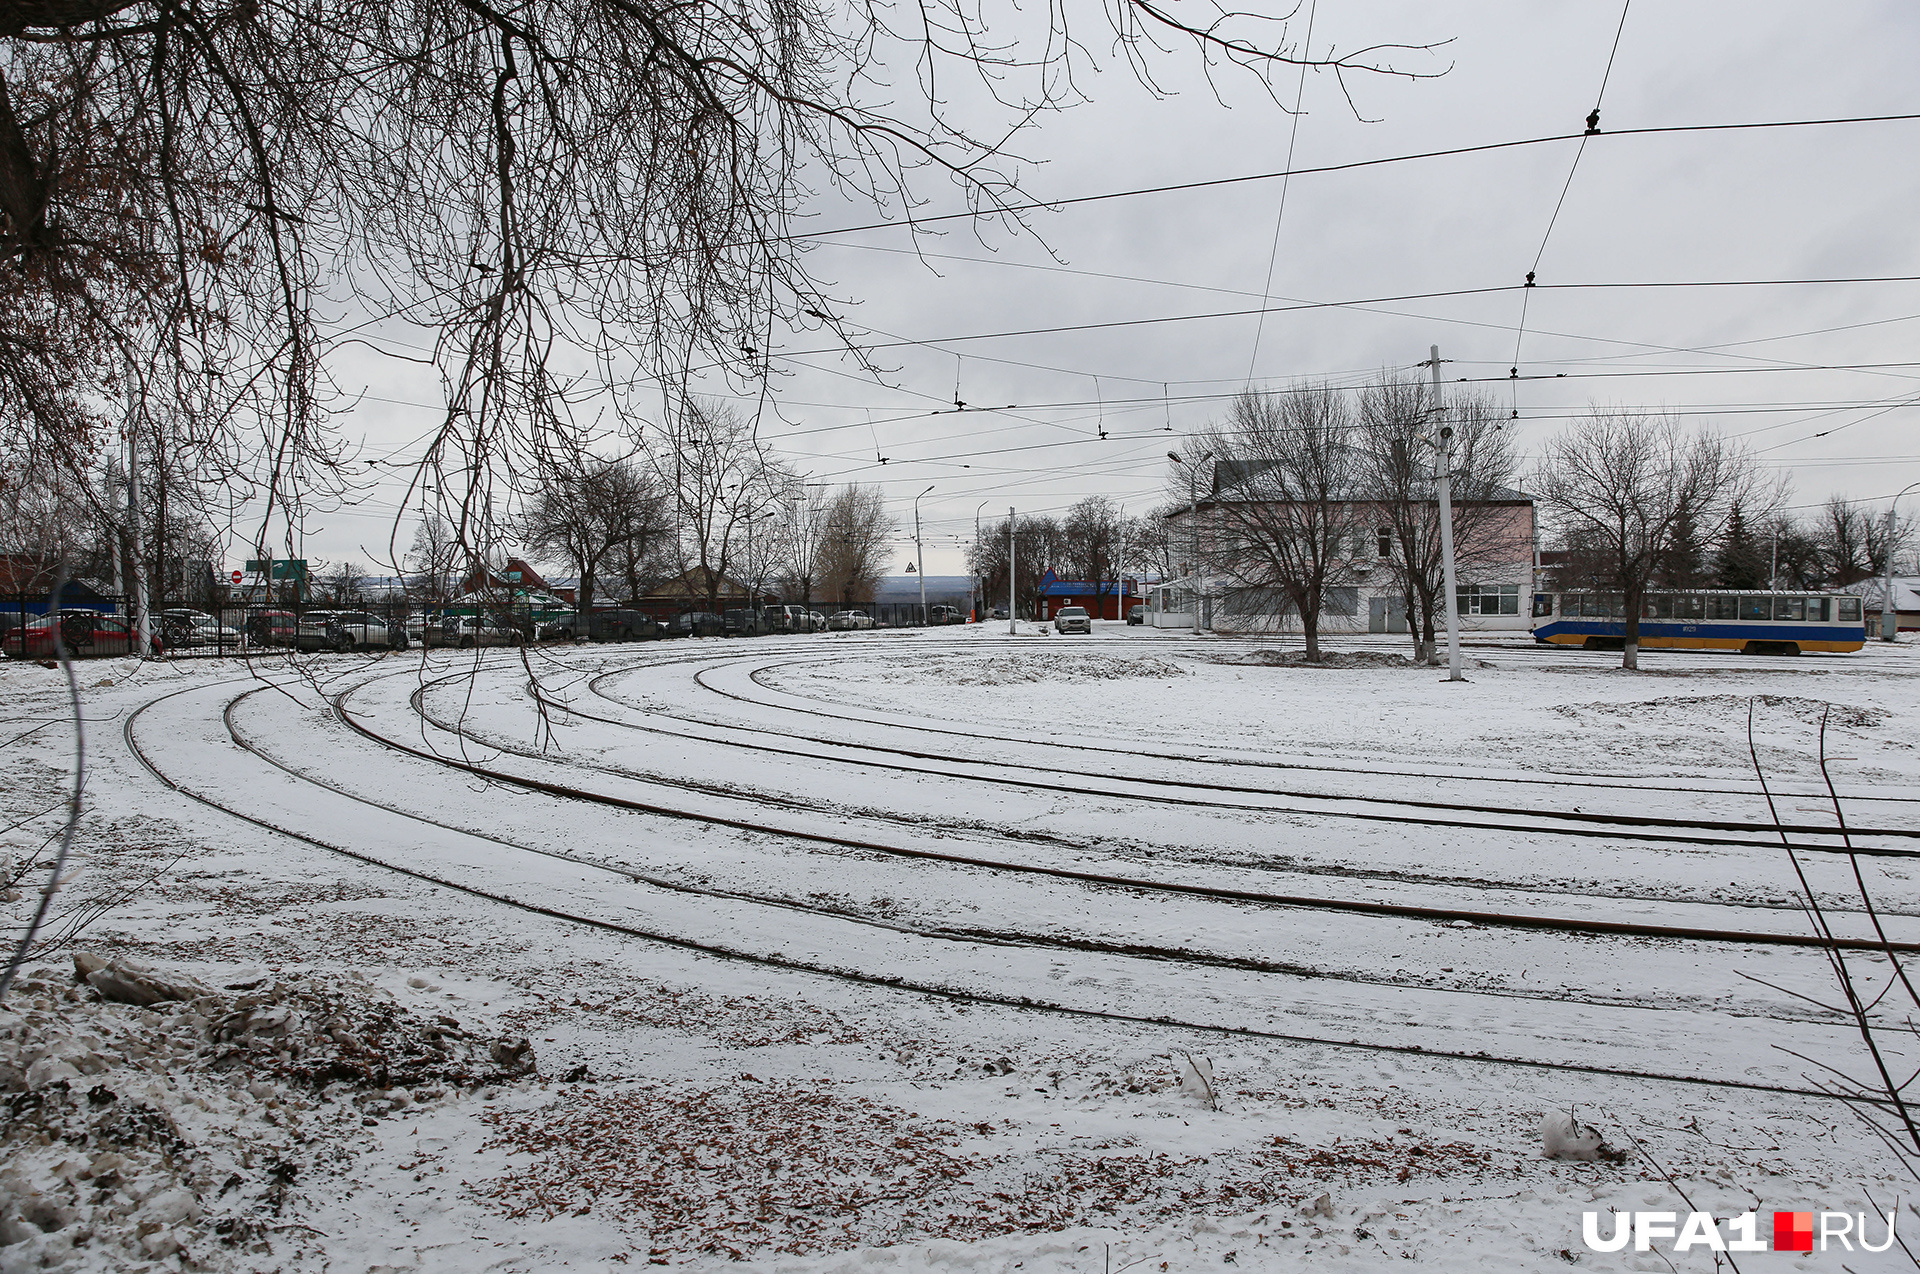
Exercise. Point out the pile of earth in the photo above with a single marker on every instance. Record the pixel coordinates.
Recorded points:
(146, 1116)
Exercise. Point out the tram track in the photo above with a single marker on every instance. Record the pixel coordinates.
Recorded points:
(1218, 757)
(855, 976)
(1473, 916)
(1164, 791)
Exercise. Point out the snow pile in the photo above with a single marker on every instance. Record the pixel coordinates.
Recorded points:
(150, 1116)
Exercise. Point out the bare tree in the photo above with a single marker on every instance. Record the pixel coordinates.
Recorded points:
(1091, 544)
(1287, 470)
(1402, 449)
(583, 514)
(1619, 482)
(613, 179)
(434, 561)
(1039, 545)
(854, 544)
(342, 585)
(802, 546)
(722, 480)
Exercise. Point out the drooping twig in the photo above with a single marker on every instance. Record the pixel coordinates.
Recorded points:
(52, 886)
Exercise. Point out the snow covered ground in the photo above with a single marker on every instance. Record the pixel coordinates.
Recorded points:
(828, 958)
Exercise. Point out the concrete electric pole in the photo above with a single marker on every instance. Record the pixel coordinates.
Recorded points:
(1444, 479)
(1012, 614)
(1889, 614)
(919, 559)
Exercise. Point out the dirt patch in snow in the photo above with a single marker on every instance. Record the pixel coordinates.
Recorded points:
(1328, 659)
(1026, 668)
(146, 1116)
(1731, 710)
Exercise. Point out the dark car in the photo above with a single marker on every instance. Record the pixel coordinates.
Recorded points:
(85, 634)
(746, 621)
(273, 628)
(697, 623)
(1136, 614)
(946, 615)
(611, 623)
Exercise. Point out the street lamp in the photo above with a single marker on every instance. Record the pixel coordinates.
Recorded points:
(1889, 616)
(1193, 524)
(919, 563)
(978, 600)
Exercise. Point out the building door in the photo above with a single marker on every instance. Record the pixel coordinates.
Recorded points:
(1386, 615)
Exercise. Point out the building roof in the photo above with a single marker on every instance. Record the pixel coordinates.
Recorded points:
(1052, 585)
(903, 588)
(1906, 592)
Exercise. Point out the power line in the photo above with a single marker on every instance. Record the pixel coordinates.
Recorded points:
(1006, 209)
(1280, 215)
(1593, 130)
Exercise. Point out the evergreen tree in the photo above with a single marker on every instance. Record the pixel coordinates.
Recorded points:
(1742, 559)
(1683, 563)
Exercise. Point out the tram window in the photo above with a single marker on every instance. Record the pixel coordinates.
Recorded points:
(1542, 605)
(1657, 606)
(1689, 606)
(1752, 607)
(1847, 609)
(1723, 607)
(1817, 608)
(1794, 608)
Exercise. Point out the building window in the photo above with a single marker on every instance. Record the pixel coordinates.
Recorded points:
(1489, 599)
(1383, 542)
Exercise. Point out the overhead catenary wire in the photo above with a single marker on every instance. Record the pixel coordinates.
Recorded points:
(1593, 130)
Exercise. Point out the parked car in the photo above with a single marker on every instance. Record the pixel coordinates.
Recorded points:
(696, 623)
(1072, 619)
(746, 621)
(816, 621)
(999, 612)
(469, 631)
(273, 627)
(611, 623)
(357, 630)
(85, 633)
(850, 621)
(946, 615)
(184, 628)
(789, 619)
(315, 631)
(1137, 614)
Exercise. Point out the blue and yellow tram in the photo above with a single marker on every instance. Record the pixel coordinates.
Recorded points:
(1757, 623)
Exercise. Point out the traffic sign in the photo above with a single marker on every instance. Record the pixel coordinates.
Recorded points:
(237, 576)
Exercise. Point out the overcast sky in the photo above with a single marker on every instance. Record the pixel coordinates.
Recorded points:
(1748, 205)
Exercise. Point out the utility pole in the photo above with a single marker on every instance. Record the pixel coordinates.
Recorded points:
(1889, 614)
(142, 622)
(1193, 525)
(1012, 597)
(1445, 480)
(979, 593)
(919, 559)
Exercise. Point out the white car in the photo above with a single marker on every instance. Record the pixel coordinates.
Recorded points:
(468, 631)
(1072, 619)
(850, 620)
(357, 630)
